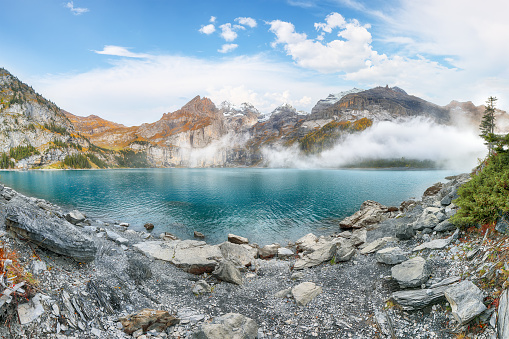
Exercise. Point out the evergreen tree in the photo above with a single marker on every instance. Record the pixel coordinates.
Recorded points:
(487, 126)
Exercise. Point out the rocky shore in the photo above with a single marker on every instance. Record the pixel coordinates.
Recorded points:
(389, 272)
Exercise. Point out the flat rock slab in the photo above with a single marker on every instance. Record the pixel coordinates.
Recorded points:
(305, 292)
(231, 326)
(411, 273)
(503, 316)
(226, 271)
(375, 245)
(48, 231)
(320, 255)
(466, 301)
(241, 255)
(391, 256)
(411, 300)
(192, 256)
(437, 244)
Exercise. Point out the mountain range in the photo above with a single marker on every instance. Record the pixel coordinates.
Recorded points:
(38, 134)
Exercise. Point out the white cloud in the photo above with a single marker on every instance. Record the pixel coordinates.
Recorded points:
(212, 19)
(246, 21)
(76, 10)
(227, 33)
(121, 51)
(208, 29)
(332, 21)
(227, 48)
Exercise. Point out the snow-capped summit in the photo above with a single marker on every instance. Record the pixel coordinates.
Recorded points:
(332, 99)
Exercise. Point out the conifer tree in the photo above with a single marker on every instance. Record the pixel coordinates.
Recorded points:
(487, 126)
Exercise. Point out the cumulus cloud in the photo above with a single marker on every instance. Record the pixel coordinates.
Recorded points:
(332, 21)
(226, 48)
(208, 29)
(246, 21)
(212, 19)
(227, 33)
(121, 51)
(76, 10)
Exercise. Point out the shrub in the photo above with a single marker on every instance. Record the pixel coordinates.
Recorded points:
(22, 152)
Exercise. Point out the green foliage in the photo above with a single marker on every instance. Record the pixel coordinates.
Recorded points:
(486, 194)
(77, 161)
(22, 152)
(56, 129)
(59, 143)
(487, 126)
(394, 163)
(31, 127)
(98, 162)
(132, 159)
(5, 161)
(97, 149)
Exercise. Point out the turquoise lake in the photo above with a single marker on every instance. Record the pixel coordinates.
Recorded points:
(265, 205)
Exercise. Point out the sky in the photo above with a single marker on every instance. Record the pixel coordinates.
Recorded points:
(131, 61)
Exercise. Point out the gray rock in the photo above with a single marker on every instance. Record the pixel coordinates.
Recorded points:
(284, 293)
(226, 271)
(359, 237)
(320, 255)
(201, 287)
(284, 252)
(344, 251)
(426, 221)
(240, 255)
(138, 270)
(268, 251)
(199, 235)
(37, 267)
(48, 231)
(466, 301)
(305, 292)
(370, 212)
(438, 243)
(75, 217)
(411, 300)
(503, 316)
(445, 226)
(31, 310)
(502, 225)
(411, 273)
(405, 232)
(375, 245)
(237, 239)
(228, 326)
(391, 256)
(306, 243)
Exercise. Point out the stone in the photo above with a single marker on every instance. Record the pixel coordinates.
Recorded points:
(284, 253)
(240, 255)
(305, 292)
(75, 217)
(148, 319)
(411, 273)
(411, 300)
(124, 224)
(466, 301)
(359, 237)
(503, 316)
(445, 226)
(138, 271)
(201, 287)
(116, 237)
(502, 225)
(284, 293)
(370, 212)
(31, 310)
(199, 235)
(391, 256)
(344, 252)
(426, 221)
(375, 245)
(167, 236)
(37, 267)
(268, 251)
(149, 226)
(237, 239)
(226, 271)
(437, 243)
(405, 232)
(320, 255)
(192, 256)
(48, 231)
(228, 326)
(306, 242)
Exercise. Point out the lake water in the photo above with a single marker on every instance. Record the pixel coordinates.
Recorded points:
(265, 205)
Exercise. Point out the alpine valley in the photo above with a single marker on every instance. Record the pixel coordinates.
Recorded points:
(38, 134)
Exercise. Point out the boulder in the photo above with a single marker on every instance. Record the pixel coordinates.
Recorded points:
(192, 256)
(502, 225)
(75, 217)
(405, 232)
(230, 325)
(426, 221)
(411, 273)
(503, 316)
(305, 292)
(284, 253)
(391, 256)
(344, 250)
(149, 226)
(370, 212)
(46, 230)
(445, 226)
(375, 245)
(306, 243)
(466, 301)
(167, 236)
(268, 251)
(411, 300)
(320, 255)
(237, 239)
(226, 271)
(116, 237)
(240, 255)
(201, 287)
(437, 243)
(146, 320)
(359, 237)
(199, 235)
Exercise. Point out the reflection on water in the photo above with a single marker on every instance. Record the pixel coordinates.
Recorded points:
(265, 205)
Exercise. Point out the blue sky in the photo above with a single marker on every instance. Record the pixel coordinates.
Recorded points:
(131, 61)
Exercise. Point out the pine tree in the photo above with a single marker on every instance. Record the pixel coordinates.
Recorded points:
(487, 126)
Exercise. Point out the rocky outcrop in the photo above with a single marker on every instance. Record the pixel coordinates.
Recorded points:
(503, 316)
(370, 212)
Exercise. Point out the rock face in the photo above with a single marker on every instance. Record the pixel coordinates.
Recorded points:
(48, 231)
(320, 255)
(305, 292)
(411, 273)
(231, 325)
(466, 301)
(148, 319)
(370, 212)
(503, 316)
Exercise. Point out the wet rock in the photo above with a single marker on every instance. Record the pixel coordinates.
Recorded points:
(124, 224)
(503, 316)
(241, 255)
(231, 325)
(411, 273)
(370, 212)
(75, 217)
(405, 232)
(226, 271)
(268, 251)
(391, 256)
(147, 320)
(375, 245)
(438, 243)
(320, 255)
(305, 292)
(201, 287)
(49, 231)
(167, 236)
(306, 243)
(466, 301)
(237, 239)
(149, 226)
(199, 235)
(433, 190)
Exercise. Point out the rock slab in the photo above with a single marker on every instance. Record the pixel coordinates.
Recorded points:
(228, 326)
(370, 212)
(305, 292)
(466, 301)
(503, 316)
(226, 271)
(146, 320)
(411, 273)
(320, 255)
(391, 256)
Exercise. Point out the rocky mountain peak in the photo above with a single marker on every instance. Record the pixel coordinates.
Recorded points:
(332, 99)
